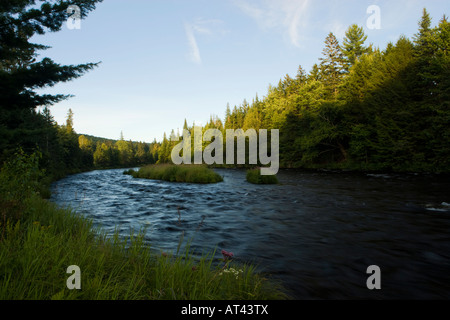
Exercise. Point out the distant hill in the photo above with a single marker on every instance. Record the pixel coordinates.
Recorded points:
(95, 139)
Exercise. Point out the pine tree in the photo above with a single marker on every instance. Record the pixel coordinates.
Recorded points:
(423, 37)
(424, 51)
(301, 75)
(21, 73)
(353, 45)
(164, 153)
(332, 64)
(315, 73)
(69, 121)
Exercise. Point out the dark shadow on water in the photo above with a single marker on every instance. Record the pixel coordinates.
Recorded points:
(318, 232)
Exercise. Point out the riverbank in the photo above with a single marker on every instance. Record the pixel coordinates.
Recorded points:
(348, 167)
(39, 241)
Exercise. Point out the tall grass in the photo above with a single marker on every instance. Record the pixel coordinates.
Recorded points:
(36, 251)
(39, 241)
(173, 173)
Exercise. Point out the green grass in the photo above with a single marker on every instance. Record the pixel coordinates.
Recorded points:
(173, 173)
(39, 241)
(254, 176)
(36, 250)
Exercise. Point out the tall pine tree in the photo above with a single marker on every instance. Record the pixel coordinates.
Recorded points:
(21, 74)
(332, 64)
(353, 45)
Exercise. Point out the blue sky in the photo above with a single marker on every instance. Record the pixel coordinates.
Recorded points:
(167, 60)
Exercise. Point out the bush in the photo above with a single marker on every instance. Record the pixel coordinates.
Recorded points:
(20, 177)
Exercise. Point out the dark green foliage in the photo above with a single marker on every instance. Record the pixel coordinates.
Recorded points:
(363, 108)
(21, 176)
(254, 176)
(21, 74)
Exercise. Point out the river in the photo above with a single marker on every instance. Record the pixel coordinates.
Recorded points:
(317, 232)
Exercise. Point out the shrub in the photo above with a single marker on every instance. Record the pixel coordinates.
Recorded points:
(20, 176)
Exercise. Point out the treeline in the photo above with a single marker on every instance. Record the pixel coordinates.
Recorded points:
(360, 107)
(26, 123)
(64, 151)
(106, 153)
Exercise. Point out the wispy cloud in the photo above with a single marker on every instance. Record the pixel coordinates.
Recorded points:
(194, 53)
(201, 27)
(287, 15)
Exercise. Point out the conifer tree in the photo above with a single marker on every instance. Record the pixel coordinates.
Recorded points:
(422, 39)
(21, 73)
(314, 74)
(332, 64)
(353, 45)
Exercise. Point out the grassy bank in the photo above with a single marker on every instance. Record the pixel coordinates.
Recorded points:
(39, 241)
(254, 176)
(173, 173)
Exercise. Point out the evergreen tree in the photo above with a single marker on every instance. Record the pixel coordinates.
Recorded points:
(301, 75)
(69, 121)
(164, 153)
(332, 64)
(353, 45)
(315, 73)
(424, 50)
(423, 37)
(228, 122)
(21, 74)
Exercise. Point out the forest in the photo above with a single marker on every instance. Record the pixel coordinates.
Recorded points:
(359, 108)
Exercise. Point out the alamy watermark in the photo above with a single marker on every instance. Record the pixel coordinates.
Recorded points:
(374, 281)
(214, 152)
(374, 21)
(74, 20)
(74, 281)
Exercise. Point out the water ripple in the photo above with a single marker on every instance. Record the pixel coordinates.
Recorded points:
(318, 232)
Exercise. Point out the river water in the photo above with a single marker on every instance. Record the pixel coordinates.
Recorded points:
(317, 232)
